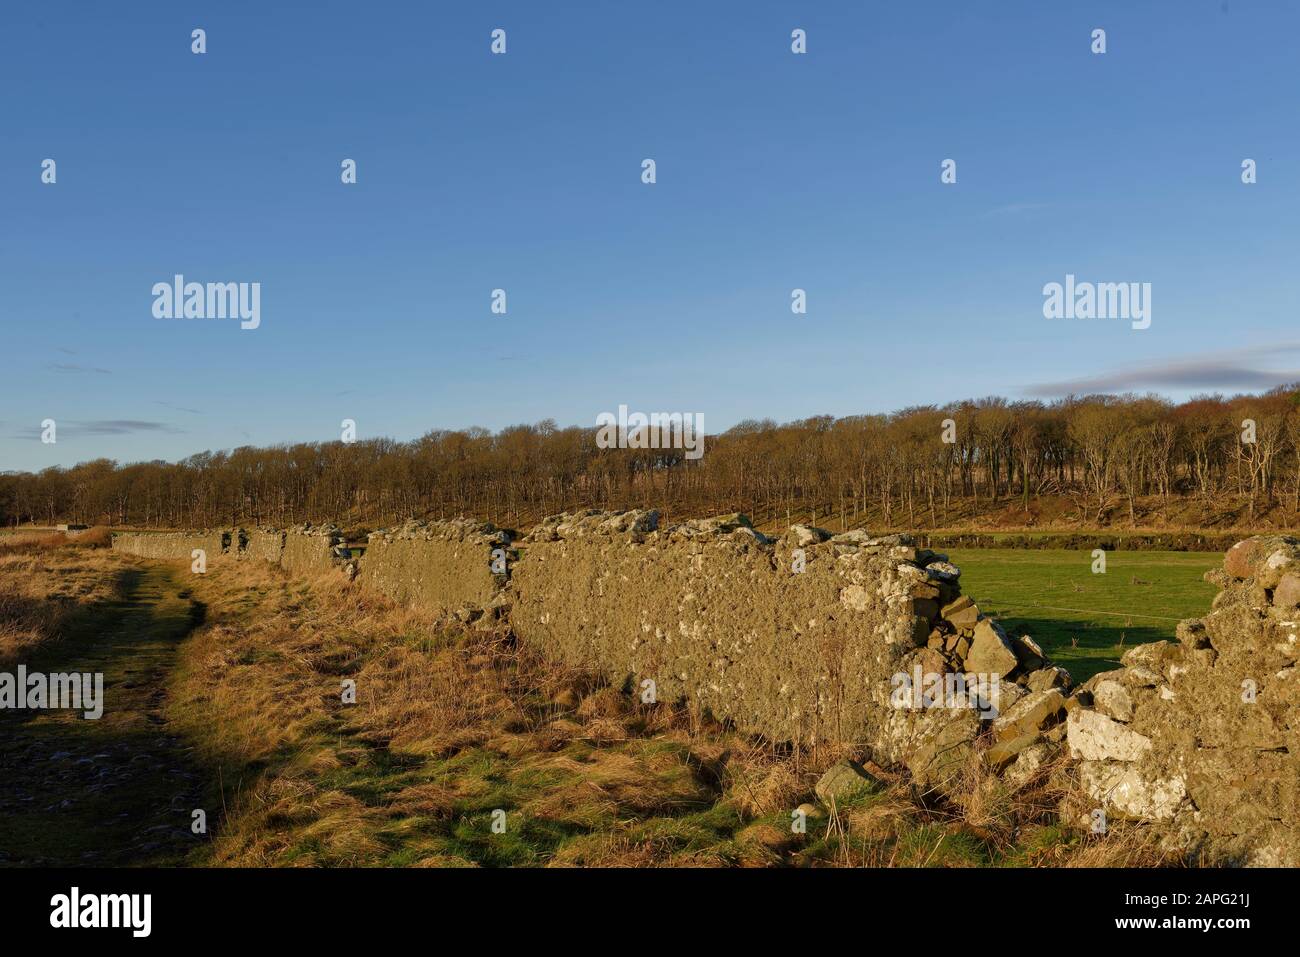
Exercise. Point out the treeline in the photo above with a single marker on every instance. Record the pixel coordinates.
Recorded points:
(920, 467)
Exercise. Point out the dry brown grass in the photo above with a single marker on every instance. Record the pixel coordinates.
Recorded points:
(273, 659)
(32, 541)
(100, 536)
(446, 721)
(41, 586)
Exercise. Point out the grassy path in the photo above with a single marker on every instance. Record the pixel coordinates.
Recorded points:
(117, 791)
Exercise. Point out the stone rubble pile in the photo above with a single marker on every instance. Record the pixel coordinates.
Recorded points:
(1202, 735)
(451, 530)
(635, 524)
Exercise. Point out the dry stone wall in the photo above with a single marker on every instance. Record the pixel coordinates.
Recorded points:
(266, 544)
(805, 639)
(170, 545)
(1203, 734)
(439, 566)
(311, 549)
(798, 639)
(304, 549)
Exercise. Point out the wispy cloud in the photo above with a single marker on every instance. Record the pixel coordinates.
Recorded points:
(73, 367)
(1017, 209)
(94, 427)
(178, 408)
(1233, 369)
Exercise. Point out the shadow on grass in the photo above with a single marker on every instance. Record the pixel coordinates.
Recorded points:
(1084, 648)
(118, 790)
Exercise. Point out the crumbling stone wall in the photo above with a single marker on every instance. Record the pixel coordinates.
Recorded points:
(266, 544)
(311, 549)
(169, 545)
(799, 639)
(1203, 735)
(805, 638)
(440, 566)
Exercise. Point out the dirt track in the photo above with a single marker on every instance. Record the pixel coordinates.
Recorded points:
(118, 790)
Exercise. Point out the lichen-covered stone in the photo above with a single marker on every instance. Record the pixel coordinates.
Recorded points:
(1095, 737)
(844, 781)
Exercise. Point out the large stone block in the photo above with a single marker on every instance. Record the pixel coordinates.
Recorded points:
(1095, 737)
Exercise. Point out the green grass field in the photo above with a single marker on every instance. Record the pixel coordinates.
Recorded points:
(1085, 621)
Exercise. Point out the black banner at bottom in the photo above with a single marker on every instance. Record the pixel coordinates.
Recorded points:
(361, 906)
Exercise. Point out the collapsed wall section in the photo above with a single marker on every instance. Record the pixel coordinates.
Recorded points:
(439, 566)
(170, 545)
(1203, 735)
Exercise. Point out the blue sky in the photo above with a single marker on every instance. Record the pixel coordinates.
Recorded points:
(522, 172)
